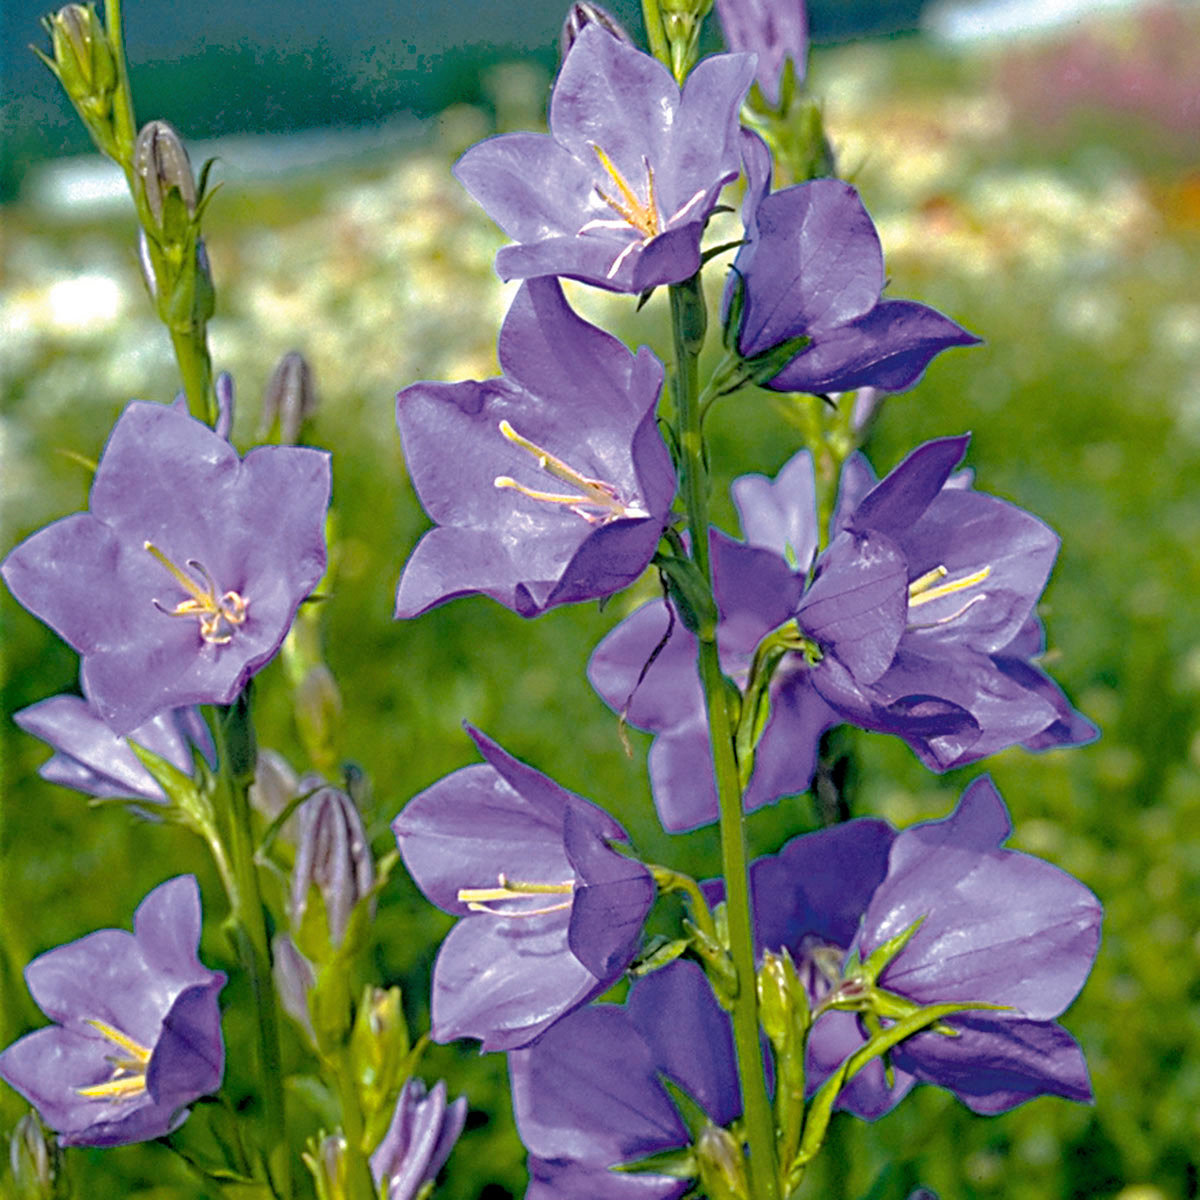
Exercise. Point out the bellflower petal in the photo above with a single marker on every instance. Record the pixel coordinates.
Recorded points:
(183, 578)
(588, 1095)
(995, 926)
(419, 1139)
(811, 267)
(776, 30)
(551, 915)
(90, 758)
(138, 1028)
(617, 194)
(550, 484)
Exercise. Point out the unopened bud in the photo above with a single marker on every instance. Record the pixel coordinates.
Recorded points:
(325, 1157)
(722, 1165)
(782, 999)
(294, 980)
(290, 398)
(33, 1160)
(379, 1048)
(82, 56)
(318, 711)
(162, 165)
(585, 13)
(332, 856)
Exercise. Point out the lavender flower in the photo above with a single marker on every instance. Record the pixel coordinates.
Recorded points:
(588, 1095)
(551, 915)
(811, 268)
(573, 413)
(775, 30)
(183, 577)
(922, 608)
(89, 757)
(997, 926)
(617, 194)
(138, 1029)
(418, 1141)
(921, 613)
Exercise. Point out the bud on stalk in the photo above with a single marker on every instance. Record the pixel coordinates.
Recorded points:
(83, 59)
(585, 13)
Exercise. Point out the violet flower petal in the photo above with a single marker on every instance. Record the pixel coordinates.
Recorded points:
(776, 30)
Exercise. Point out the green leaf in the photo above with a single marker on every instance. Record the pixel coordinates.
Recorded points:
(677, 1164)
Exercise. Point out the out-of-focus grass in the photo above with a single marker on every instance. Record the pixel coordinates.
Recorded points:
(1076, 265)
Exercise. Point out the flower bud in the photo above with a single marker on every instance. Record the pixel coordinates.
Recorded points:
(290, 399)
(379, 1047)
(783, 1000)
(585, 13)
(34, 1161)
(722, 1165)
(332, 857)
(423, 1131)
(327, 1162)
(275, 784)
(163, 168)
(83, 59)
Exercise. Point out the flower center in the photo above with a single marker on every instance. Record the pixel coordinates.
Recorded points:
(818, 966)
(219, 616)
(483, 899)
(599, 502)
(632, 211)
(128, 1078)
(929, 587)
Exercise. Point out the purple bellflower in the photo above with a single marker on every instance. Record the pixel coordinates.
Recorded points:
(90, 758)
(182, 579)
(921, 608)
(775, 30)
(138, 1028)
(812, 268)
(997, 926)
(550, 484)
(588, 1095)
(551, 915)
(419, 1139)
(618, 193)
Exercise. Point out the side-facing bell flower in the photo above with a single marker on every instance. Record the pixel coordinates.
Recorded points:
(138, 1029)
(775, 30)
(589, 1095)
(182, 578)
(551, 916)
(618, 192)
(90, 758)
(810, 273)
(419, 1139)
(994, 926)
(922, 610)
(550, 484)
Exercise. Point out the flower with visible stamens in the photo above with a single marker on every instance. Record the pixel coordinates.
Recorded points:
(551, 915)
(168, 490)
(618, 193)
(138, 1027)
(574, 407)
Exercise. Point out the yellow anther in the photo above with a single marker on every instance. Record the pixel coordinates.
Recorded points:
(596, 494)
(643, 216)
(480, 899)
(928, 587)
(129, 1071)
(218, 615)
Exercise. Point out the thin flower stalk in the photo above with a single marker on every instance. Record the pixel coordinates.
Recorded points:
(686, 303)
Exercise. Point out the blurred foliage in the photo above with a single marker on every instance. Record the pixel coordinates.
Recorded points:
(1077, 262)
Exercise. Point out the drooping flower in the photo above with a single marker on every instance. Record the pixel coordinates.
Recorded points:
(90, 758)
(551, 916)
(138, 1029)
(589, 1094)
(550, 484)
(996, 926)
(775, 30)
(617, 194)
(811, 268)
(419, 1139)
(182, 579)
(923, 610)
(920, 612)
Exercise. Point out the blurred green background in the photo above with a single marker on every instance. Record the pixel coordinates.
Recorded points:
(1044, 193)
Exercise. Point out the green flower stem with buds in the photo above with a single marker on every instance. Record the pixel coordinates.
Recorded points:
(688, 320)
(233, 733)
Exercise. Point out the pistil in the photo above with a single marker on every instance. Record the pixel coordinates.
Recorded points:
(596, 494)
(929, 587)
(219, 616)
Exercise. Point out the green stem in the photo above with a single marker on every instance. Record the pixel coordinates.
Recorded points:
(687, 316)
(656, 35)
(360, 1184)
(124, 122)
(233, 734)
(195, 368)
